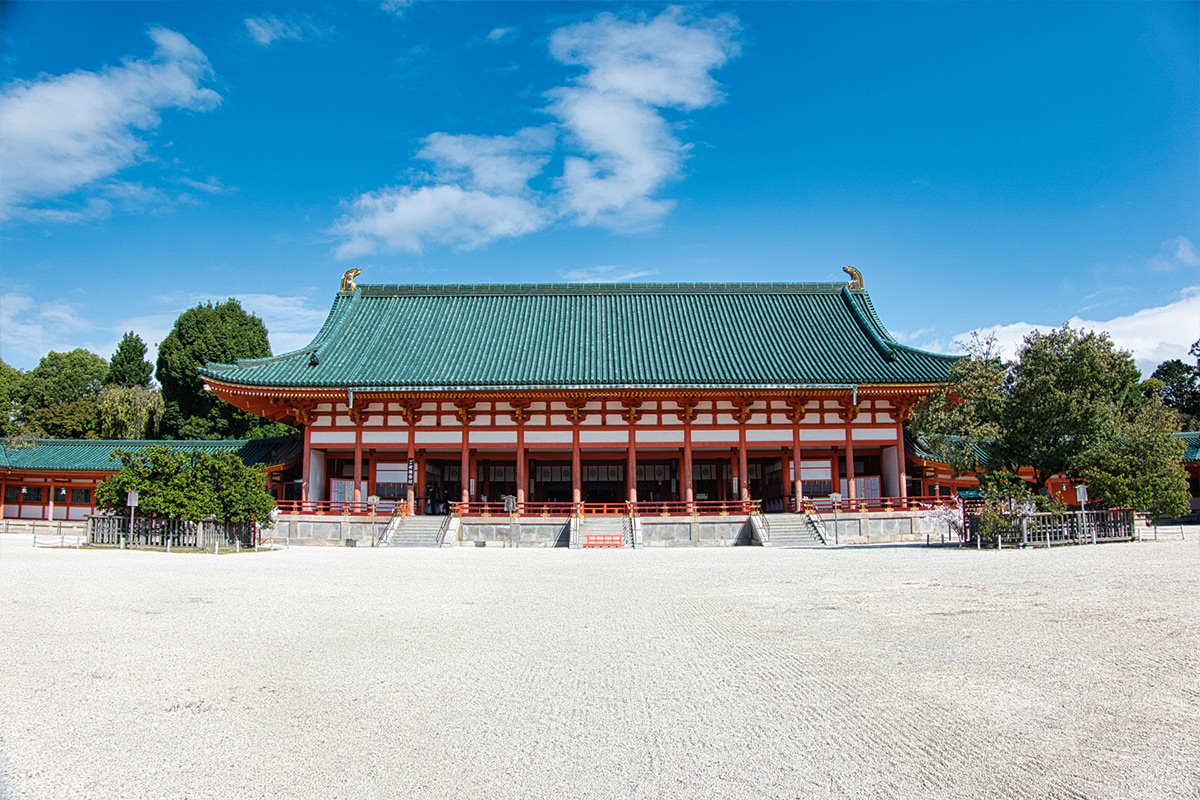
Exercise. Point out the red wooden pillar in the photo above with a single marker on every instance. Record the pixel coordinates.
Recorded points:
(688, 489)
(522, 482)
(850, 463)
(576, 472)
(798, 486)
(743, 483)
(631, 466)
(306, 467)
(358, 498)
(901, 465)
(464, 470)
(50, 501)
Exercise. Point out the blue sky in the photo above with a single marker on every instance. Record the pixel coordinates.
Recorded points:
(987, 166)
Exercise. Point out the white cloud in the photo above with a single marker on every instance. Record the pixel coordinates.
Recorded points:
(396, 7)
(211, 186)
(664, 61)
(618, 150)
(403, 218)
(270, 29)
(1184, 250)
(29, 329)
(607, 273)
(502, 164)
(1152, 335)
(499, 34)
(64, 134)
(1173, 252)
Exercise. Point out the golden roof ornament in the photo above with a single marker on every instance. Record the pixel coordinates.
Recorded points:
(855, 278)
(348, 277)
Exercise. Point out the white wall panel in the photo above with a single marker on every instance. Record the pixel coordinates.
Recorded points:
(385, 437)
(604, 436)
(333, 437)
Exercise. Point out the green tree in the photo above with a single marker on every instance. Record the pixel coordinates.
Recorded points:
(78, 419)
(179, 484)
(62, 378)
(1178, 384)
(1058, 397)
(58, 397)
(129, 366)
(10, 379)
(129, 412)
(1071, 404)
(1138, 462)
(208, 333)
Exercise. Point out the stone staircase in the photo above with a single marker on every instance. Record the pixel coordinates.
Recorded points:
(793, 530)
(417, 531)
(603, 532)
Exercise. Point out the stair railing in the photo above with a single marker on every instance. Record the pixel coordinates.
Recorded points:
(441, 534)
(397, 517)
(817, 523)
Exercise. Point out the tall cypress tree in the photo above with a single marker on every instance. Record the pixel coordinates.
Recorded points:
(218, 333)
(129, 366)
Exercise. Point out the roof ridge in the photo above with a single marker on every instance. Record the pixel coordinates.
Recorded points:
(574, 289)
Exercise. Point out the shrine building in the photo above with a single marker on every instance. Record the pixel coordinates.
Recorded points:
(692, 397)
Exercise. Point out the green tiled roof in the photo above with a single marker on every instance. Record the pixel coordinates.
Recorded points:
(554, 336)
(1192, 440)
(917, 447)
(93, 455)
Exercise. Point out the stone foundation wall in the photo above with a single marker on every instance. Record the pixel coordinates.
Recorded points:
(325, 531)
(698, 532)
(531, 532)
(881, 528)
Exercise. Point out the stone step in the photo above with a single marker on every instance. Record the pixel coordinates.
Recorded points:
(419, 531)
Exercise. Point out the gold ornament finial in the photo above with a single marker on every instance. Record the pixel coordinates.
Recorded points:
(348, 277)
(855, 278)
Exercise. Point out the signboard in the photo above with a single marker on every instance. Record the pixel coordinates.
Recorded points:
(412, 471)
(131, 498)
(510, 503)
(1081, 494)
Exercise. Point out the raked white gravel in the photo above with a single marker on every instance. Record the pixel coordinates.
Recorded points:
(686, 673)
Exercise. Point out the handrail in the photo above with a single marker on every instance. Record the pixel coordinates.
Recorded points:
(814, 518)
(762, 519)
(697, 508)
(322, 507)
(648, 508)
(874, 504)
(398, 515)
(441, 534)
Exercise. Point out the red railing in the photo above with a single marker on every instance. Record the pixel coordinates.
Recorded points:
(321, 507)
(824, 505)
(642, 508)
(700, 508)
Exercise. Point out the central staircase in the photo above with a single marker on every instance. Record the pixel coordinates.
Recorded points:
(603, 532)
(794, 530)
(414, 532)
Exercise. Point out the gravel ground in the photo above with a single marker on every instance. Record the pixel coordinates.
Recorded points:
(686, 673)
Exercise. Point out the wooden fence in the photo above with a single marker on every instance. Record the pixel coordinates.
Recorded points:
(1051, 530)
(170, 533)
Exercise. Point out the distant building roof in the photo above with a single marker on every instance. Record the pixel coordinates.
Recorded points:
(94, 455)
(595, 336)
(1192, 440)
(917, 447)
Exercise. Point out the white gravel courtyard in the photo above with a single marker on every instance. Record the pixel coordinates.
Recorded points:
(682, 673)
